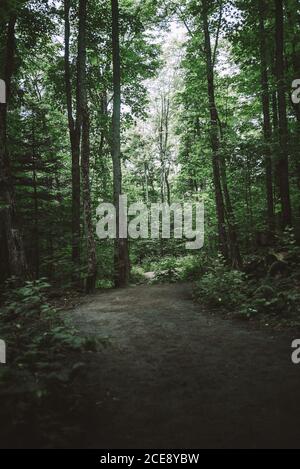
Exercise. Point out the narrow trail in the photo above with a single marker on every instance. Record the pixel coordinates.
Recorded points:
(175, 376)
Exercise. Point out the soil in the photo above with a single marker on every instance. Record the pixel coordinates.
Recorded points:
(172, 375)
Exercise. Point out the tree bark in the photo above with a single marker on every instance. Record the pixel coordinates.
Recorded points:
(13, 260)
(235, 255)
(283, 163)
(163, 138)
(267, 128)
(121, 258)
(223, 200)
(74, 132)
(35, 205)
(220, 208)
(83, 112)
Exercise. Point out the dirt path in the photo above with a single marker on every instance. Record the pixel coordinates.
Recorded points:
(174, 376)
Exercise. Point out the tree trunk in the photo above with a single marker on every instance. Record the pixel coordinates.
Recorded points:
(163, 137)
(223, 201)
(267, 128)
(235, 255)
(283, 165)
(146, 183)
(74, 132)
(121, 258)
(36, 236)
(215, 140)
(83, 114)
(13, 260)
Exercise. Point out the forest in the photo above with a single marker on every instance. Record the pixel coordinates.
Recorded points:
(175, 103)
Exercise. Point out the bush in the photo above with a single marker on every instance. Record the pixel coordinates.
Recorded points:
(277, 297)
(38, 383)
(221, 287)
(137, 275)
(193, 267)
(184, 268)
(104, 284)
(269, 287)
(167, 271)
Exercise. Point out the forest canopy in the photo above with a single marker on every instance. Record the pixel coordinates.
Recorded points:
(162, 101)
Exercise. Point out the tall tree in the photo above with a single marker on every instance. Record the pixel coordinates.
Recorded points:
(74, 132)
(79, 131)
(121, 245)
(223, 201)
(283, 163)
(13, 260)
(220, 208)
(84, 120)
(267, 127)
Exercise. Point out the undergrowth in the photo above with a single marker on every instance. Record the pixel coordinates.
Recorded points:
(267, 289)
(41, 383)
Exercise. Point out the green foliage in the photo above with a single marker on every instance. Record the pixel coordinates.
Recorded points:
(165, 153)
(277, 293)
(104, 284)
(192, 267)
(221, 286)
(167, 271)
(137, 275)
(44, 367)
(279, 298)
(268, 291)
(173, 269)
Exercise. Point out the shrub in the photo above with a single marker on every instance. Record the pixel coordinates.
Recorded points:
(104, 284)
(221, 287)
(268, 287)
(193, 267)
(167, 271)
(39, 381)
(137, 275)
(279, 297)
